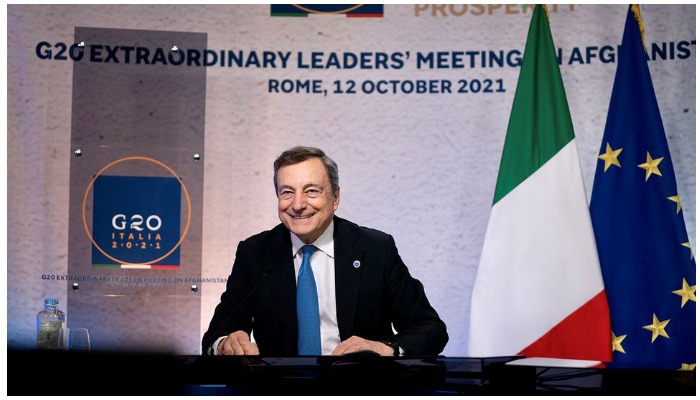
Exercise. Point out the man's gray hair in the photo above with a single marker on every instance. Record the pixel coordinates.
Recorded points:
(298, 154)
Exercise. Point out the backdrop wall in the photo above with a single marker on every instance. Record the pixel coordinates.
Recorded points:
(413, 106)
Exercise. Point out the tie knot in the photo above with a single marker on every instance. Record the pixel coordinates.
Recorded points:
(308, 250)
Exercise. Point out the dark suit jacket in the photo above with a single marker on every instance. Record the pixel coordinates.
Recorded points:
(260, 294)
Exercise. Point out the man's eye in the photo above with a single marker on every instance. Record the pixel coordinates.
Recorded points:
(313, 193)
(286, 194)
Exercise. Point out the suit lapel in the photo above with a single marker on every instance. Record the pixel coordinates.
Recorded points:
(347, 276)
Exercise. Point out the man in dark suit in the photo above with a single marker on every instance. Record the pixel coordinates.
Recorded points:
(367, 300)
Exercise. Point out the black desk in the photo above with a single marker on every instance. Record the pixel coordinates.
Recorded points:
(33, 372)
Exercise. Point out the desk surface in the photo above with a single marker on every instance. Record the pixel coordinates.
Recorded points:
(99, 373)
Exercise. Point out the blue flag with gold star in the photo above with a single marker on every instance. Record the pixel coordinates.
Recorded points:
(645, 255)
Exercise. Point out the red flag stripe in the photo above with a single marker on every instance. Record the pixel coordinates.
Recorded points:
(580, 336)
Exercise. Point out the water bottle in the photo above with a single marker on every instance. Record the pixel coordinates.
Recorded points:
(49, 323)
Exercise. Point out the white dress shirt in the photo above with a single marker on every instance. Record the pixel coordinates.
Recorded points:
(323, 266)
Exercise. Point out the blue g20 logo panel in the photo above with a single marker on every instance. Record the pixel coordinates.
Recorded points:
(136, 222)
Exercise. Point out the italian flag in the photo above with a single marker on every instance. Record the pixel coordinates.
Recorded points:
(539, 288)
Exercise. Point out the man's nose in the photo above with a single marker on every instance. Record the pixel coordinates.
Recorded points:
(299, 201)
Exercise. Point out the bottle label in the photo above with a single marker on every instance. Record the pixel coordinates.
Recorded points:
(47, 336)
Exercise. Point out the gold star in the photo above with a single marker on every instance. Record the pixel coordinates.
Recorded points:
(617, 342)
(687, 367)
(687, 244)
(651, 166)
(657, 328)
(686, 293)
(676, 199)
(610, 157)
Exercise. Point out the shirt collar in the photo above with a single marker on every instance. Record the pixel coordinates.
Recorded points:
(323, 243)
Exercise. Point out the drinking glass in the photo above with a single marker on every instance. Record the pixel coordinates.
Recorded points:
(77, 339)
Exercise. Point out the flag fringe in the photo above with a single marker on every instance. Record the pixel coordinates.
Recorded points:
(638, 16)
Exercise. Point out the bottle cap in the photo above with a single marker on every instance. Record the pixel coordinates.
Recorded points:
(51, 302)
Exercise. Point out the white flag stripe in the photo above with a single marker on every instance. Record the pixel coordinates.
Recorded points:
(136, 266)
(540, 229)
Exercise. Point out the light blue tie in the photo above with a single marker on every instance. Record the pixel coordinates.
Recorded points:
(307, 306)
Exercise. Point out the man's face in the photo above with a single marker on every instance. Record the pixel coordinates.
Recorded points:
(305, 202)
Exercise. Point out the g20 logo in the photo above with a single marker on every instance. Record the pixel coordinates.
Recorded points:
(130, 233)
(136, 220)
(119, 222)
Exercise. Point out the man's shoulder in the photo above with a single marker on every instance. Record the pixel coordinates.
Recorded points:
(344, 226)
(274, 235)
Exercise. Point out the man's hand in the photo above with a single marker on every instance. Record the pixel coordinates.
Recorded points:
(238, 344)
(356, 343)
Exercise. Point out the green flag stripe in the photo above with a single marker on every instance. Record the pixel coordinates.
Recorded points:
(540, 123)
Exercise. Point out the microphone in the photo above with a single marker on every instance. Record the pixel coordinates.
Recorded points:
(266, 273)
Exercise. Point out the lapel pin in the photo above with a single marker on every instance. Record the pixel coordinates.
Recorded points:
(356, 264)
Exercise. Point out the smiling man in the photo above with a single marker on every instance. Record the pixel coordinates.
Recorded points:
(363, 298)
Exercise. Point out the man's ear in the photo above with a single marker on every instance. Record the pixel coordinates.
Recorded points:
(336, 199)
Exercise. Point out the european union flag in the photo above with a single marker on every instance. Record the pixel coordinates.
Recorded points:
(647, 261)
